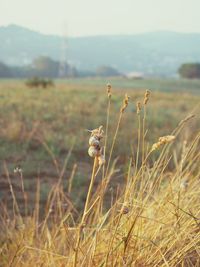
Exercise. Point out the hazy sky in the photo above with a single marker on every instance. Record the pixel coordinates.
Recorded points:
(94, 17)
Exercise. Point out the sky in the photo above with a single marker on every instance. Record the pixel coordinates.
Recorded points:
(99, 17)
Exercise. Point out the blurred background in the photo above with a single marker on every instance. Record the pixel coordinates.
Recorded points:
(56, 58)
(98, 38)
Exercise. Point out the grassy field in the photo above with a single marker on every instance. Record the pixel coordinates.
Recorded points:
(141, 210)
(165, 85)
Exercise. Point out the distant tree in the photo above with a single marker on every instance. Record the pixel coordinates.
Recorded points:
(107, 71)
(45, 67)
(5, 71)
(190, 70)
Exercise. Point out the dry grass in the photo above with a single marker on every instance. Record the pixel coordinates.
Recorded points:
(152, 219)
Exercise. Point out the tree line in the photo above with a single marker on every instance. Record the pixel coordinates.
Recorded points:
(46, 67)
(41, 66)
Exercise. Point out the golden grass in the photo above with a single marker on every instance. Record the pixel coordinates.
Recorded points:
(153, 218)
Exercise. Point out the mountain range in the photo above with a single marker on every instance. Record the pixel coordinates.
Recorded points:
(154, 53)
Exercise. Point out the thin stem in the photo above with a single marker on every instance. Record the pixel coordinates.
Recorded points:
(143, 134)
(24, 193)
(15, 205)
(85, 211)
(114, 140)
(90, 189)
(138, 144)
(113, 237)
(106, 133)
(104, 182)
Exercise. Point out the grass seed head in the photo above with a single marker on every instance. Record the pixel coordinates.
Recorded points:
(98, 132)
(125, 103)
(146, 97)
(138, 107)
(109, 90)
(166, 139)
(162, 141)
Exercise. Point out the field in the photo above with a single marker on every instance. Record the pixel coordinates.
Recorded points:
(141, 209)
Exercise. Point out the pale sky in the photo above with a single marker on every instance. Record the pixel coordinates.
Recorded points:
(97, 17)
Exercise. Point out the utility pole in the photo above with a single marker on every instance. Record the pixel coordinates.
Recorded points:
(63, 55)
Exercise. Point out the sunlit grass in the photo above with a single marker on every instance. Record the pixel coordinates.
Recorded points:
(142, 209)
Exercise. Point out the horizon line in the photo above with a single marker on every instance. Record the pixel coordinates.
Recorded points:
(95, 35)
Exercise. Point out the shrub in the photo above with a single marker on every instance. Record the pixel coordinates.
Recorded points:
(190, 70)
(39, 82)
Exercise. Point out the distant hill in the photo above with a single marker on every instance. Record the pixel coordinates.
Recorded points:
(156, 53)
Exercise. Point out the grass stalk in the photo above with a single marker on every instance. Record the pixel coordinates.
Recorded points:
(85, 212)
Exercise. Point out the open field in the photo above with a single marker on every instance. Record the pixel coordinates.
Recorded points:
(36, 121)
(144, 210)
(165, 85)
